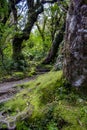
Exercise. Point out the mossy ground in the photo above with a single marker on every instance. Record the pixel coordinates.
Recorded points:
(48, 103)
(17, 76)
(12, 77)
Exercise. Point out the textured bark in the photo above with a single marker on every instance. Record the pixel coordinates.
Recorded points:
(14, 10)
(75, 53)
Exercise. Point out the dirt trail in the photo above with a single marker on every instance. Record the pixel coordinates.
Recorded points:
(8, 85)
(7, 92)
(8, 89)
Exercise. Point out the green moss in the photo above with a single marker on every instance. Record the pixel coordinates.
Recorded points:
(18, 75)
(5, 78)
(14, 76)
(32, 72)
(48, 104)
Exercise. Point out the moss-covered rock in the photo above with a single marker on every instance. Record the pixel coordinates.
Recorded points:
(18, 75)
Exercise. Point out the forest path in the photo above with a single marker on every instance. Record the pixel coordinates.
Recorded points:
(7, 92)
(9, 89)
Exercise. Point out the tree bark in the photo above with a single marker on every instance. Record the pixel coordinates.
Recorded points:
(33, 13)
(55, 46)
(75, 53)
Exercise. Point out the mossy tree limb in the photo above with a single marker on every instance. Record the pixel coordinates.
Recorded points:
(33, 12)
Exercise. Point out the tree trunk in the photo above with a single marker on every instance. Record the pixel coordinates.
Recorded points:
(17, 49)
(75, 53)
(55, 46)
(18, 39)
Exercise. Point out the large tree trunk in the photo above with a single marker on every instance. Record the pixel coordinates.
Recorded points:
(75, 55)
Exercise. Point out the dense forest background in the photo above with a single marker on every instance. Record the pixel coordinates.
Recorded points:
(43, 64)
(31, 33)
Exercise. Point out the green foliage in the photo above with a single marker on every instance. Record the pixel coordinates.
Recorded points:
(56, 17)
(35, 48)
(13, 76)
(3, 8)
(52, 126)
(17, 75)
(6, 35)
